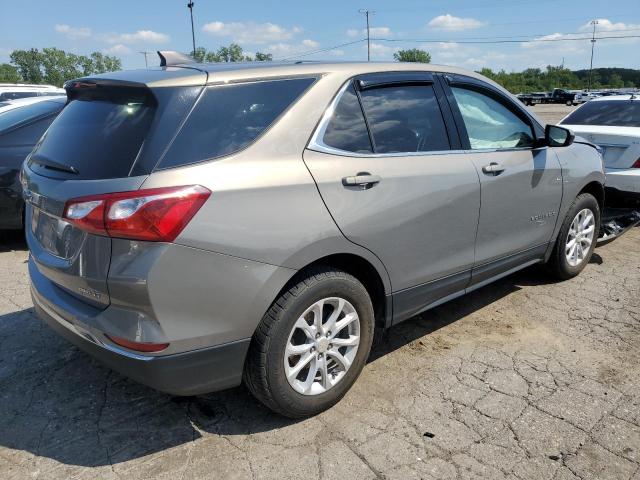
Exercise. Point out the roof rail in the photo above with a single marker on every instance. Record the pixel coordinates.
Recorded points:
(170, 58)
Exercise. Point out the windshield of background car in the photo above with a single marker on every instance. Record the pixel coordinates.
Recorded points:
(20, 115)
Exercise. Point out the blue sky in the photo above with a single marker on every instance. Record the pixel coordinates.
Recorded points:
(290, 28)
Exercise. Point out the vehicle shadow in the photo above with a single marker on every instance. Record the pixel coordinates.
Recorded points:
(59, 403)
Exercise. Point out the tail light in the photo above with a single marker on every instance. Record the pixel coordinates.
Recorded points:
(637, 164)
(138, 346)
(155, 214)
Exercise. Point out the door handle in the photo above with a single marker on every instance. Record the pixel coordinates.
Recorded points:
(362, 179)
(493, 168)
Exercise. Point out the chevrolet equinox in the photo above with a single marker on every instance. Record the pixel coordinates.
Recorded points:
(195, 226)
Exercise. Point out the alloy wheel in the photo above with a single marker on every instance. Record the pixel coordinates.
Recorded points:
(580, 237)
(322, 345)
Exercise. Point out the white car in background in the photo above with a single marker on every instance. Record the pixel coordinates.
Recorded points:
(7, 105)
(12, 91)
(613, 123)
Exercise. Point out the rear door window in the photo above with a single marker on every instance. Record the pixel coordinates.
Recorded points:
(227, 118)
(405, 119)
(347, 129)
(99, 133)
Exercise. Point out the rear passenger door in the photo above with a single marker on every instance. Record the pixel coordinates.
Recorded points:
(385, 161)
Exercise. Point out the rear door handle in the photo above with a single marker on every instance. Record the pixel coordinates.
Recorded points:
(363, 179)
(493, 168)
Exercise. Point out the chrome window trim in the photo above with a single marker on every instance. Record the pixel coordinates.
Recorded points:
(317, 144)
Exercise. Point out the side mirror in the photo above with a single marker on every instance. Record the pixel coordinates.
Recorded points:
(556, 136)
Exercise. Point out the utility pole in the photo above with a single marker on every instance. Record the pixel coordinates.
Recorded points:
(593, 44)
(366, 13)
(146, 64)
(193, 34)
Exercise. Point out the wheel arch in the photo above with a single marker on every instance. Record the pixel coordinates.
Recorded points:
(596, 189)
(363, 270)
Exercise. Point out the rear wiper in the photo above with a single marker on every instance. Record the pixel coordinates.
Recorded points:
(50, 164)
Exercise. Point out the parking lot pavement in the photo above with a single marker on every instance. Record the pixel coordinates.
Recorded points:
(523, 379)
(552, 113)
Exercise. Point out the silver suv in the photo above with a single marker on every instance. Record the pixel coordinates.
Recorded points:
(195, 226)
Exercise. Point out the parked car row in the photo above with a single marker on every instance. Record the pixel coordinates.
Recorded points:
(201, 225)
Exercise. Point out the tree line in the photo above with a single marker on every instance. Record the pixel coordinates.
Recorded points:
(54, 66)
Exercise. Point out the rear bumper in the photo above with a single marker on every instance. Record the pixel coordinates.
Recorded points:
(624, 180)
(190, 373)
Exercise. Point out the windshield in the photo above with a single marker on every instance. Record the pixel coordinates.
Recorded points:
(615, 113)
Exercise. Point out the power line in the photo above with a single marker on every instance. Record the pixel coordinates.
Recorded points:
(320, 50)
(532, 40)
(468, 40)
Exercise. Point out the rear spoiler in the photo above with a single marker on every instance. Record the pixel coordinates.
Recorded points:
(170, 58)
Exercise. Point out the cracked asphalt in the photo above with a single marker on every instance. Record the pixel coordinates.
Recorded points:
(523, 379)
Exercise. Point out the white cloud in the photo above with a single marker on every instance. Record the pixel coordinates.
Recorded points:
(117, 49)
(73, 33)
(605, 25)
(373, 31)
(250, 32)
(449, 22)
(310, 43)
(141, 36)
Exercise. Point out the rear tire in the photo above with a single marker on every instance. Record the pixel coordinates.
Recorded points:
(332, 360)
(577, 238)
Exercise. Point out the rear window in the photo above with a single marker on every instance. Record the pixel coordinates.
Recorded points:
(99, 133)
(228, 118)
(21, 115)
(615, 113)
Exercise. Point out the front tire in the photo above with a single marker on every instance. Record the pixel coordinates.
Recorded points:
(312, 344)
(577, 238)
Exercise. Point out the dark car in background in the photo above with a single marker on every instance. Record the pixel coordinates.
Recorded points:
(20, 129)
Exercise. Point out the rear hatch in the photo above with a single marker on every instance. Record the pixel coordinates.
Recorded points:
(620, 145)
(107, 139)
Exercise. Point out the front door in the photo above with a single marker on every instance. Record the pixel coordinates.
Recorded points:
(521, 186)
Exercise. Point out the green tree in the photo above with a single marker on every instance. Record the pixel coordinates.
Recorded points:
(615, 81)
(9, 74)
(412, 55)
(100, 63)
(231, 53)
(199, 54)
(29, 64)
(55, 66)
(263, 57)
